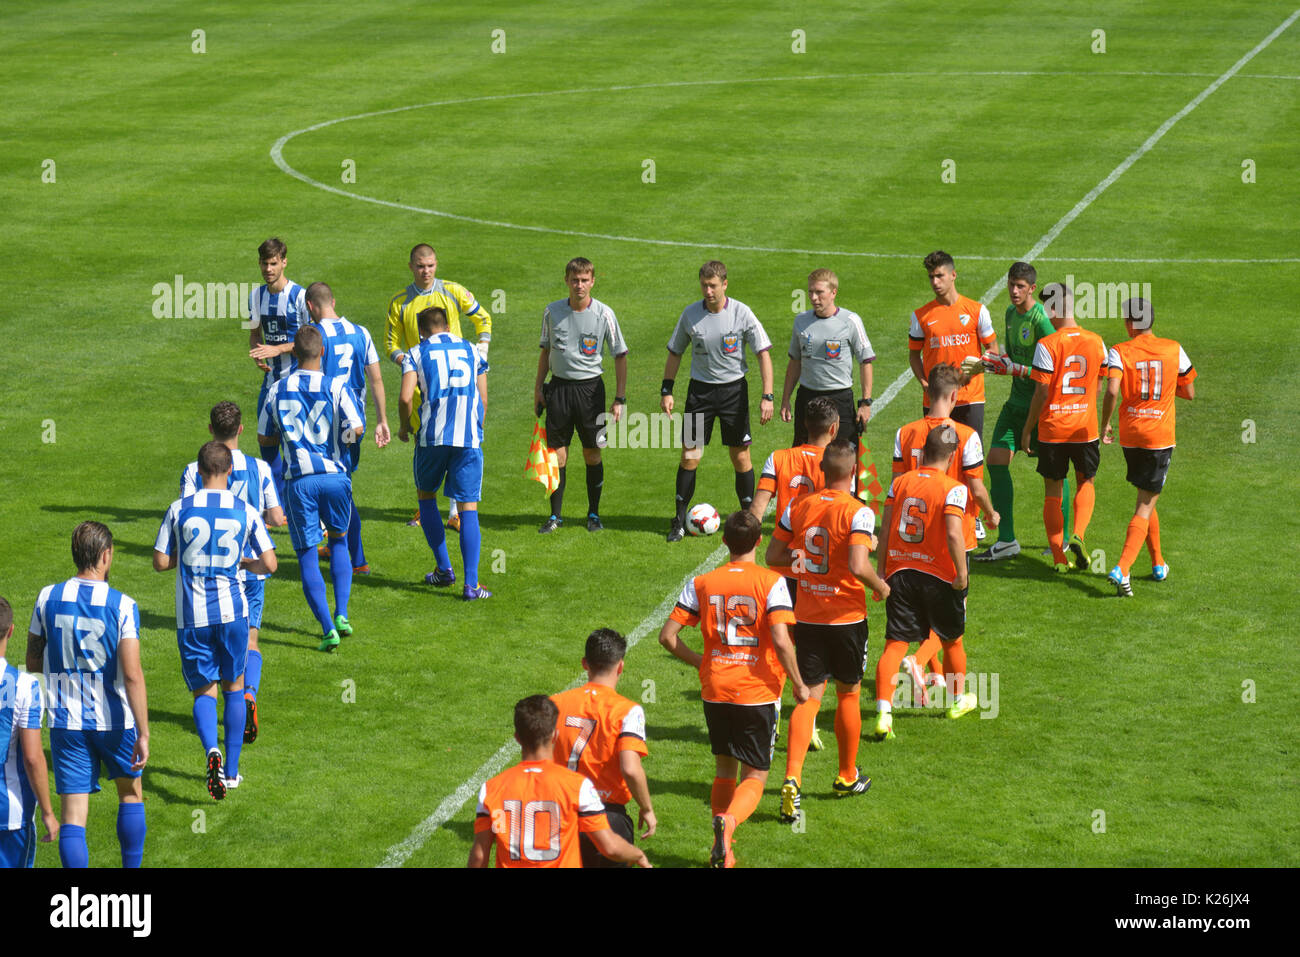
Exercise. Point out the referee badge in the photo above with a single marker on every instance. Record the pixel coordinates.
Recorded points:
(588, 345)
(730, 343)
(832, 348)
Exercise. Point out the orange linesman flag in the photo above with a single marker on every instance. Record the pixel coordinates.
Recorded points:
(542, 464)
(869, 487)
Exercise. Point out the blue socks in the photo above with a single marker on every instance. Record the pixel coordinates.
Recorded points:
(253, 673)
(72, 846)
(205, 720)
(236, 714)
(130, 833)
(470, 542)
(355, 549)
(434, 532)
(313, 586)
(341, 573)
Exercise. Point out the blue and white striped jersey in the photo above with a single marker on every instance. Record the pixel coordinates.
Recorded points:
(348, 350)
(251, 480)
(278, 314)
(83, 622)
(311, 414)
(447, 370)
(212, 529)
(20, 707)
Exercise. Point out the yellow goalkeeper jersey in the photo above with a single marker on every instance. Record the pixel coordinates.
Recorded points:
(403, 331)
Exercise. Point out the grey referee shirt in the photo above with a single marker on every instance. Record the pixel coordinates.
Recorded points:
(830, 349)
(576, 338)
(717, 340)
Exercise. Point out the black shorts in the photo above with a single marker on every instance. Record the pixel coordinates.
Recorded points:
(843, 399)
(746, 732)
(574, 403)
(1148, 468)
(1054, 459)
(919, 603)
(620, 822)
(831, 651)
(728, 402)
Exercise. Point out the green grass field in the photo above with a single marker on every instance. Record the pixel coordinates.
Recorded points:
(129, 158)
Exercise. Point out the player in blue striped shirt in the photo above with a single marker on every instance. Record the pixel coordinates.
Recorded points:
(349, 353)
(205, 535)
(275, 311)
(250, 480)
(85, 636)
(24, 776)
(314, 419)
(452, 378)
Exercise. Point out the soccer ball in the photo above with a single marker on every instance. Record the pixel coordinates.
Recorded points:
(702, 519)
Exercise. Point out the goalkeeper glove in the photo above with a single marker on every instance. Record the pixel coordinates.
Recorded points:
(971, 365)
(1002, 365)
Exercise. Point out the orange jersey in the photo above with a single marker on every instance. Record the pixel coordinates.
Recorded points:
(789, 473)
(1069, 362)
(1149, 370)
(967, 464)
(735, 607)
(950, 334)
(823, 526)
(918, 532)
(535, 811)
(596, 724)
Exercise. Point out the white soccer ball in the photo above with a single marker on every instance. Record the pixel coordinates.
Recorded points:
(702, 519)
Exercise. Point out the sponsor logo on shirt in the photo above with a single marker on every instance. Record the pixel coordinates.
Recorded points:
(958, 339)
(832, 348)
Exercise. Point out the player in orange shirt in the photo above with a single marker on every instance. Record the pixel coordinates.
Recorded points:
(1139, 371)
(1067, 367)
(743, 612)
(923, 558)
(534, 811)
(828, 537)
(966, 466)
(601, 735)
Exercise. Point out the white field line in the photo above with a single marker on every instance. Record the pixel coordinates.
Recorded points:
(398, 854)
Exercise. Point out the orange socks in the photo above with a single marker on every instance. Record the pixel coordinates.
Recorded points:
(1055, 524)
(724, 790)
(887, 670)
(802, 720)
(1153, 539)
(848, 731)
(1085, 497)
(954, 658)
(1137, 533)
(745, 800)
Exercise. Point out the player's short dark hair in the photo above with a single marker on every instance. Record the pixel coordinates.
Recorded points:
(307, 343)
(577, 266)
(943, 379)
(605, 649)
(741, 531)
(6, 617)
(1138, 311)
(713, 270)
(214, 459)
(937, 260)
(320, 294)
(838, 460)
(225, 419)
(820, 415)
(435, 317)
(273, 248)
(422, 249)
(89, 542)
(1022, 270)
(1058, 297)
(939, 444)
(535, 718)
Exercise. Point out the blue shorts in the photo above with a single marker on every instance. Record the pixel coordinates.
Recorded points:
(18, 847)
(212, 653)
(255, 595)
(313, 498)
(462, 468)
(77, 755)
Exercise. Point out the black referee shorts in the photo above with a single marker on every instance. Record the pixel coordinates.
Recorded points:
(843, 399)
(574, 403)
(727, 402)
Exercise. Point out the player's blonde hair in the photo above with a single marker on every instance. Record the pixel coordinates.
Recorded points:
(826, 276)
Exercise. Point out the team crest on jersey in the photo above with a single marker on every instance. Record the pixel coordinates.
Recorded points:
(730, 343)
(1026, 332)
(964, 319)
(832, 348)
(588, 345)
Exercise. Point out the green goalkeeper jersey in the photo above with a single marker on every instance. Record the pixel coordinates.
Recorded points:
(1024, 329)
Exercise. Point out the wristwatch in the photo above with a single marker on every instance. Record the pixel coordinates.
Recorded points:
(769, 397)
(866, 402)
